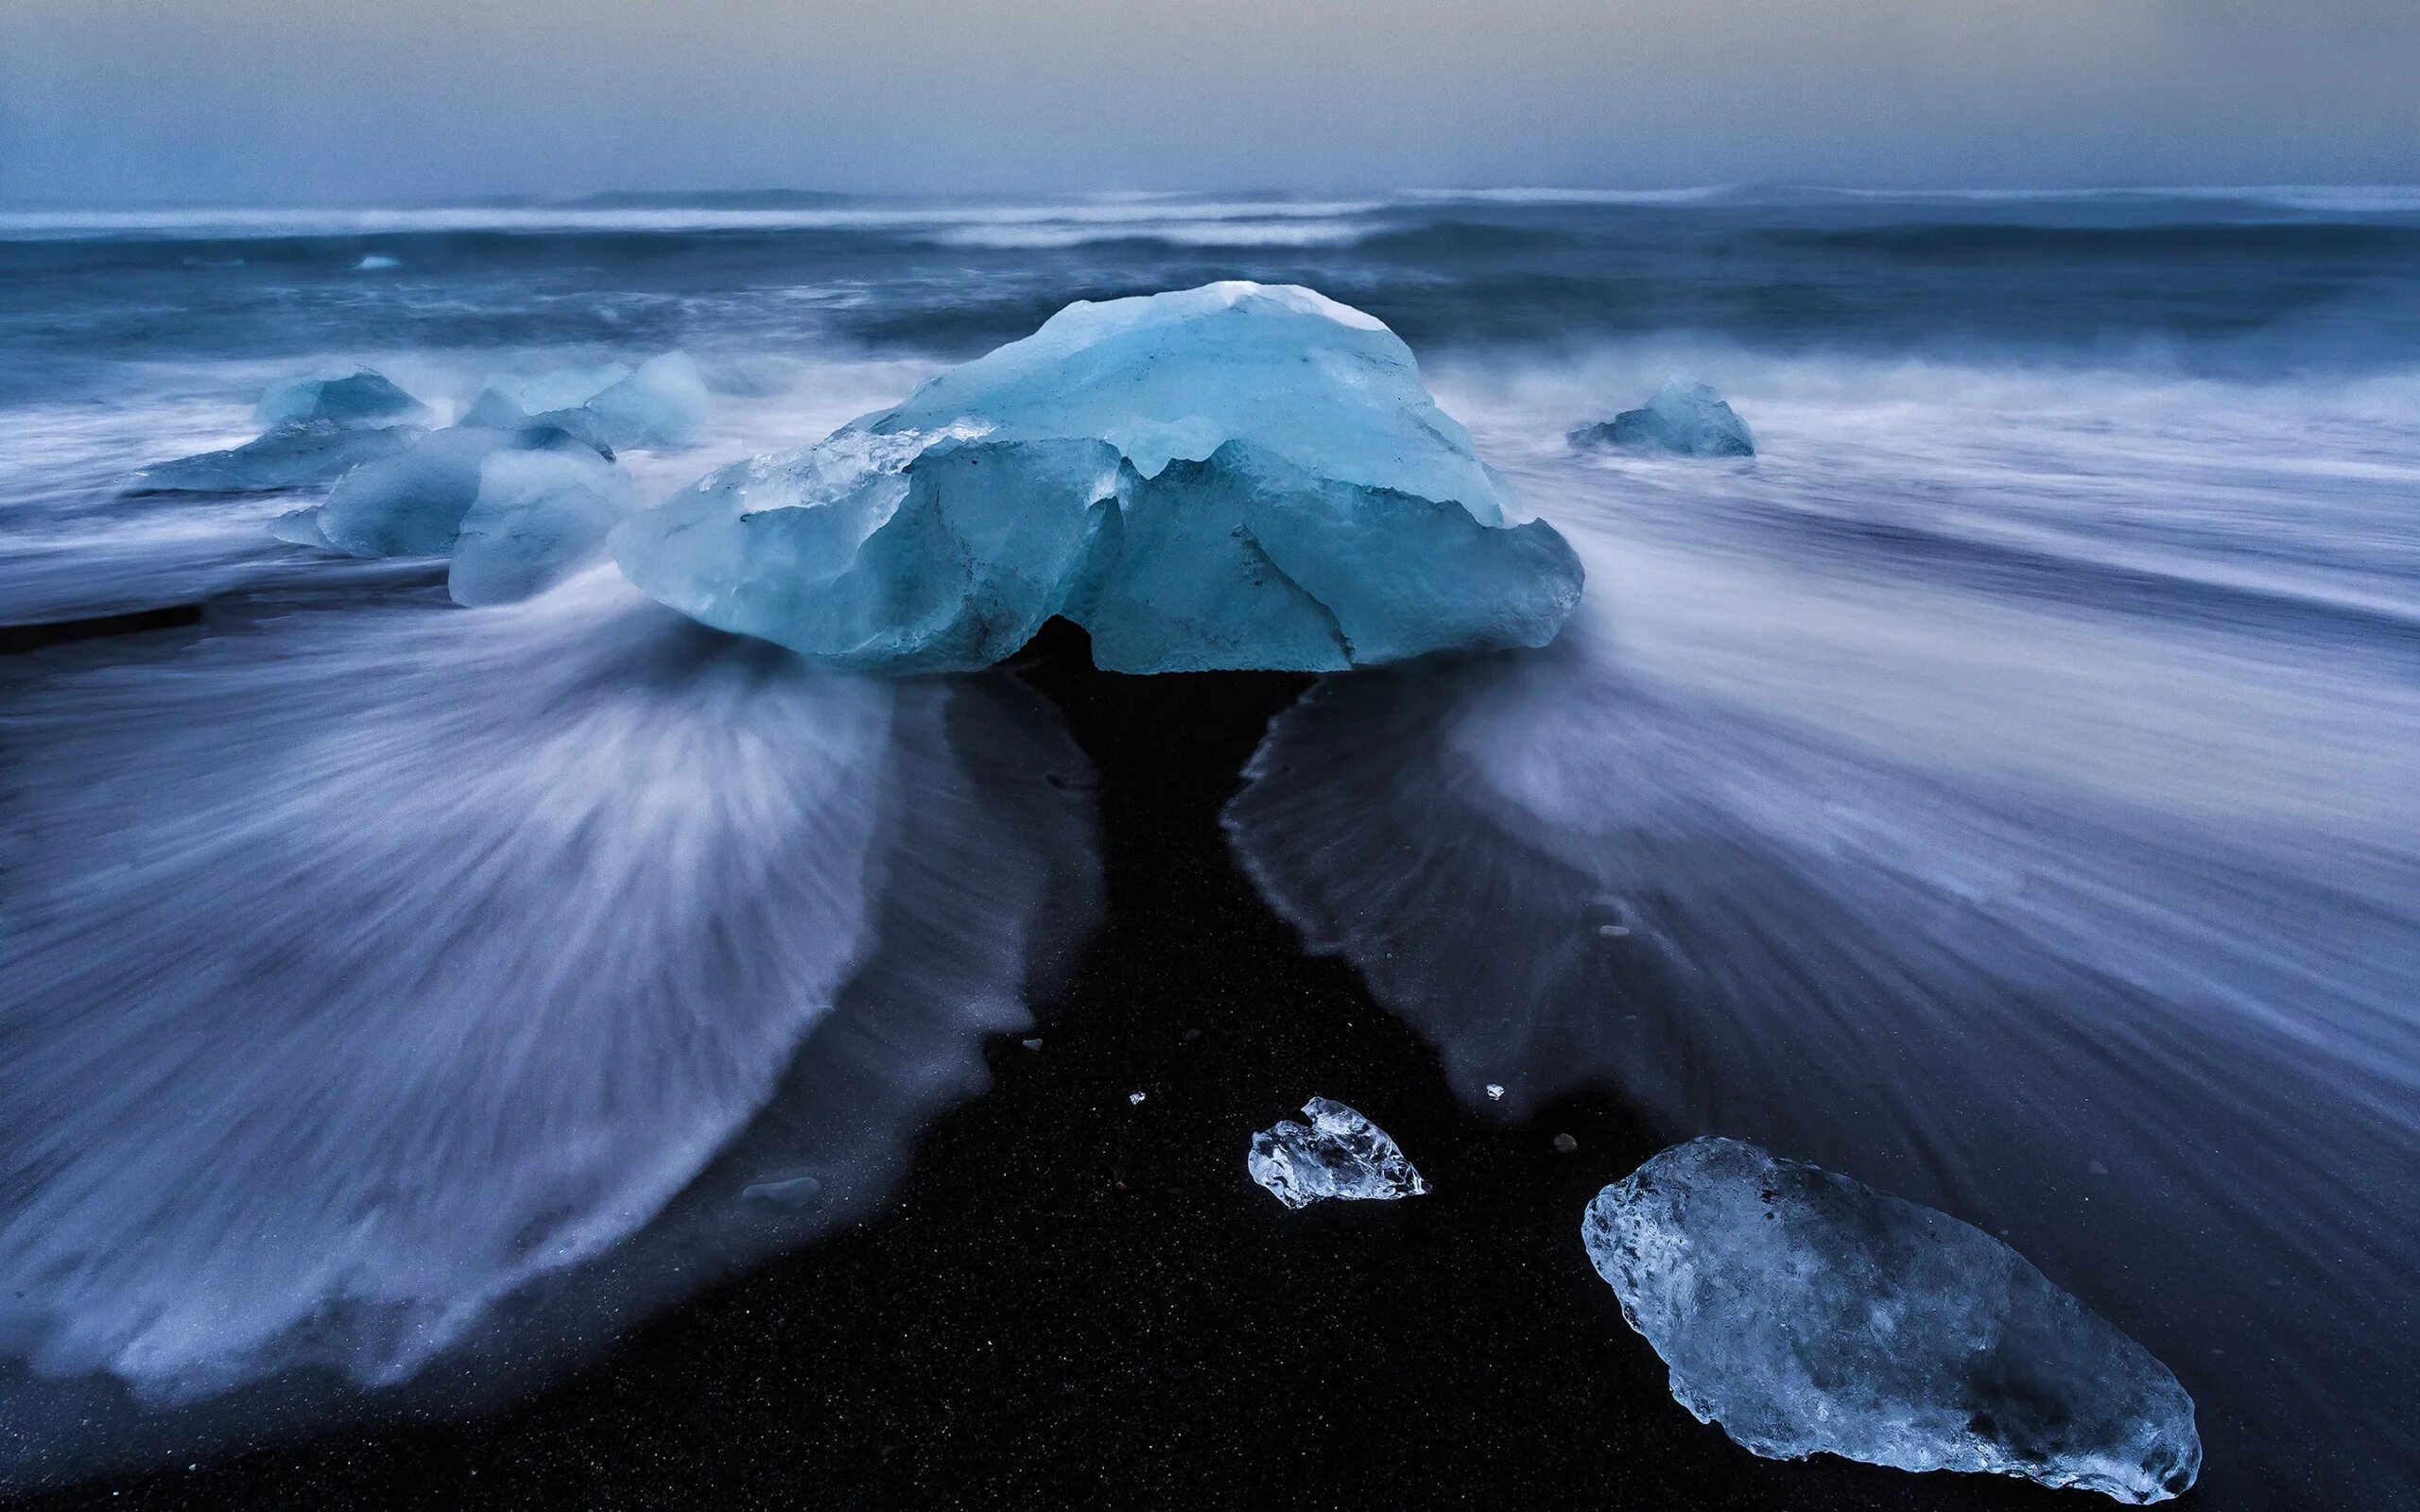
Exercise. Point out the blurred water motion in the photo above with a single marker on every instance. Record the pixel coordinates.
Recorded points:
(2002, 789)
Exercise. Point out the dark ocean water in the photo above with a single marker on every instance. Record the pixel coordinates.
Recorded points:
(2003, 786)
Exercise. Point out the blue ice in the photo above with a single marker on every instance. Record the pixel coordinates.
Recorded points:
(1687, 419)
(1338, 1154)
(313, 431)
(361, 398)
(660, 404)
(1804, 1312)
(1236, 476)
(538, 517)
(414, 504)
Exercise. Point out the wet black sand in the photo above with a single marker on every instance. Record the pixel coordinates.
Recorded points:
(1079, 1301)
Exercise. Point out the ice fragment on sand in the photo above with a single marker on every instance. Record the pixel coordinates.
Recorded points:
(1229, 476)
(1688, 419)
(539, 516)
(1338, 1154)
(1804, 1312)
(413, 503)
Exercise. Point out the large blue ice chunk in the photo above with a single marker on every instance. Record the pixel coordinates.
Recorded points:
(1338, 1154)
(1804, 1312)
(362, 398)
(1684, 418)
(1229, 476)
(412, 504)
(540, 515)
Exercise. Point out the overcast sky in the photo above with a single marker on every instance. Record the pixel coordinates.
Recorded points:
(330, 101)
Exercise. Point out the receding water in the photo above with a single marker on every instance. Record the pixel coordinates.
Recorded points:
(2002, 788)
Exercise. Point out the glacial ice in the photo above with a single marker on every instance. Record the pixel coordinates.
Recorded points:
(313, 431)
(659, 404)
(662, 405)
(1688, 419)
(362, 398)
(298, 454)
(413, 503)
(1236, 475)
(1338, 1154)
(539, 515)
(299, 528)
(1806, 1311)
(503, 402)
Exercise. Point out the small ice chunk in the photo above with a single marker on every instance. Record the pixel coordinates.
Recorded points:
(413, 503)
(790, 1192)
(556, 426)
(313, 431)
(661, 404)
(1030, 1044)
(362, 400)
(1495, 1091)
(1339, 1153)
(506, 402)
(376, 263)
(299, 528)
(296, 454)
(1135, 1097)
(1804, 1312)
(1684, 418)
(540, 515)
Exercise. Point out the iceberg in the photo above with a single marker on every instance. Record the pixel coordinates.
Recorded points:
(413, 503)
(1804, 1312)
(361, 399)
(539, 516)
(1338, 1154)
(659, 406)
(1684, 418)
(313, 431)
(296, 455)
(1232, 476)
(503, 402)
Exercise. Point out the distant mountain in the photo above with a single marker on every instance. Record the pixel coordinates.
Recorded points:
(708, 199)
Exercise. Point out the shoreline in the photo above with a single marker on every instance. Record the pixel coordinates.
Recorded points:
(1073, 1299)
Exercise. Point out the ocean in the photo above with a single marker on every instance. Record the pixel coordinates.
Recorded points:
(2004, 789)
